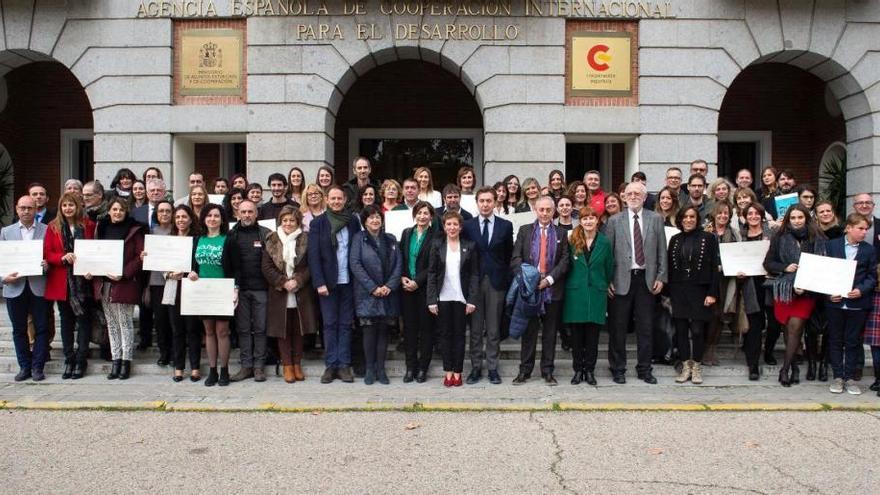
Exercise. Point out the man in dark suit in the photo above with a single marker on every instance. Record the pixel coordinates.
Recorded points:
(40, 195)
(494, 238)
(639, 242)
(144, 215)
(451, 202)
(544, 246)
(863, 204)
(330, 236)
(847, 312)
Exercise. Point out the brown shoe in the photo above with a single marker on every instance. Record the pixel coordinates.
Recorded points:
(289, 374)
(243, 374)
(346, 375)
(298, 372)
(259, 374)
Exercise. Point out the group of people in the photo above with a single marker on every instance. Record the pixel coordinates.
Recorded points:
(456, 280)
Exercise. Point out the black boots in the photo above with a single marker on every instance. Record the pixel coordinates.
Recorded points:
(125, 372)
(823, 371)
(212, 377)
(68, 370)
(115, 369)
(811, 370)
(577, 378)
(754, 373)
(79, 370)
(224, 377)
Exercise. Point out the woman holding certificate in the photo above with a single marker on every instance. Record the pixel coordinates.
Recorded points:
(75, 301)
(119, 294)
(792, 307)
(186, 331)
(163, 224)
(375, 265)
(291, 300)
(211, 260)
(751, 289)
(693, 288)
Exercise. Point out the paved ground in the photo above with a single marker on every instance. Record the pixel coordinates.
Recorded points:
(156, 392)
(440, 452)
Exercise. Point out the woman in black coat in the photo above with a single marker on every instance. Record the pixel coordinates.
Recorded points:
(453, 281)
(693, 286)
(418, 324)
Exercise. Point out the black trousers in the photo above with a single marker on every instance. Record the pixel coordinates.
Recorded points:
(752, 338)
(547, 325)
(691, 338)
(418, 330)
(80, 325)
(638, 305)
(161, 321)
(186, 338)
(451, 320)
(145, 323)
(375, 344)
(584, 345)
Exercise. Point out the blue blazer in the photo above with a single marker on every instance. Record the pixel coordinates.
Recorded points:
(866, 272)
(323, 266)
(494, 257)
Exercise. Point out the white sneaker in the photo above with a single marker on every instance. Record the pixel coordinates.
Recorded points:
(853, 388)
(836, 386)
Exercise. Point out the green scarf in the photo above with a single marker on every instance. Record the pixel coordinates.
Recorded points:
(338, 221)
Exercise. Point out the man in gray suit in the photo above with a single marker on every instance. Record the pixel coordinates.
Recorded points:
(25, 295)
(639, 242)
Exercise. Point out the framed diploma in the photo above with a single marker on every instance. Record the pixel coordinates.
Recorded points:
(168, 253)
(98, 257)
(24, 257)
(207, 297)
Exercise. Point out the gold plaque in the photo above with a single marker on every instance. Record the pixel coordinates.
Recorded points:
(210, 62)
(601, 64)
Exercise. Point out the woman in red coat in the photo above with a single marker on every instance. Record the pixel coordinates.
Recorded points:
(119, 294)
(73, 293)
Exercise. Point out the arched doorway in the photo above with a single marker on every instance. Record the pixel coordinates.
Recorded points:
(407, 114)
(777, 114)
(45, 124)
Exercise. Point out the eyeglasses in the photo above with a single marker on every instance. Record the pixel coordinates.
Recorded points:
(863, 203)
(673, 178)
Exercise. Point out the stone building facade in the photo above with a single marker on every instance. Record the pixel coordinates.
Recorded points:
(793, 79)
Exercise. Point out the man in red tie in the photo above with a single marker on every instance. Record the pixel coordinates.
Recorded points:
(544, 246)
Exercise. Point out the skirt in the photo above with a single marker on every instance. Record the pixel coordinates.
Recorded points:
(872, 327)
(799, 307)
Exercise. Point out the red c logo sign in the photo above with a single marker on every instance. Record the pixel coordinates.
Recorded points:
(598, 51)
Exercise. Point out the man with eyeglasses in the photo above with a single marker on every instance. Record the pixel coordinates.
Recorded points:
(863, 204)
(93, 200)
(673, 181)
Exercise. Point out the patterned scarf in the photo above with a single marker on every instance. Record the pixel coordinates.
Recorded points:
(535, 252)
(76, 286)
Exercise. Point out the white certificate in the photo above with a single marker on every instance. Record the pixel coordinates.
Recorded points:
(168, 253)
(825, 275)
(24, 257)
(98, 257)
(468, 203)
(207, 297)
(745, 257)
(269, 224)
(520, 219)
(397, 221)
(670, 231)
(216, 199)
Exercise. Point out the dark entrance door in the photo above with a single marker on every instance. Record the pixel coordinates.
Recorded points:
(396, 159)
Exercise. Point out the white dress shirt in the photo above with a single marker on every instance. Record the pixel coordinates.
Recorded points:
(632, 242)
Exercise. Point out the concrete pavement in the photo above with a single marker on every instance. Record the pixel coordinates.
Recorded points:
(425, 453)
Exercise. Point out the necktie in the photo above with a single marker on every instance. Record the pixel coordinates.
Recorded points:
(542, 257)
(637, 242)
(485, 237)
(150, 217)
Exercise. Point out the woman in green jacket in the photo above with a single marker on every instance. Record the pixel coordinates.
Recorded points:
(586, 292)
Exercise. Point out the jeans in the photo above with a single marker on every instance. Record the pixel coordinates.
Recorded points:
(337, 310)
(18, 309)
(250, 320)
